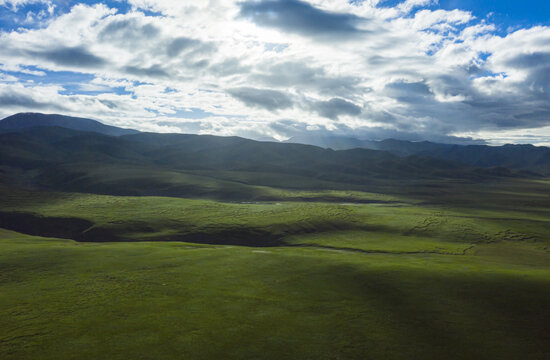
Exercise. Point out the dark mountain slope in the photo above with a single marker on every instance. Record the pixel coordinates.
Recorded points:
(171, 164)
(45, 146)
(520, 157)
(234, 153)
(22, 121)
(527, 157)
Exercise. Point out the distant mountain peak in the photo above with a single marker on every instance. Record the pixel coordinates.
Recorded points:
(21, 121)
(514, 156)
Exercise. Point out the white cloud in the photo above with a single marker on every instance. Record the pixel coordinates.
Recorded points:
(408, 5)
(16, 4)
(405, 68)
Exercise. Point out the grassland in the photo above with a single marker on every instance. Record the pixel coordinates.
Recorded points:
(461, 272)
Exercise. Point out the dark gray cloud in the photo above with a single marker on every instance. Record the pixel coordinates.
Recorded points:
(70, 56)
(154, 71)
(136, 35)
(538, 115)
(438, 79)
(300, 17)
(192, 48)
(455, 84)
(298, 74)
(110, 104)
(538, 82)
(198, 64)
(532, 60)
(449, 103)
(176, 46)
(231, 66)
(128, 31)
(302, 132)
(335, 107)
(289, 73)
(262, 98)
(26, 102)
(193, 54)
(410, 92)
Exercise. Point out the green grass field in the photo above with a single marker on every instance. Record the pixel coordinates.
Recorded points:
(461, 273)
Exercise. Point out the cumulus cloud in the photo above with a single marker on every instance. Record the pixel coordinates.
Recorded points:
(298, 131)
(176, 46)
(128, 31)
(23, 101)
(267, 99)
(300, 17)
(69, 56)
(277, 68)
(335, 107)
(16, 4)
(154, 71)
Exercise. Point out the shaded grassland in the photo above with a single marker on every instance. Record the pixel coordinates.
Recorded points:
(63, 300)
(462, 272)
(88, 217)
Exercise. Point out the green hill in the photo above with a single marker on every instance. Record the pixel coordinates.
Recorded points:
(171, 246)
(172, 164)
(519, 157)
(23, 121)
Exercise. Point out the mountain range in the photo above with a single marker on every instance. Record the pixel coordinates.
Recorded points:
(74, 154)
(519, 157)
(22, 121)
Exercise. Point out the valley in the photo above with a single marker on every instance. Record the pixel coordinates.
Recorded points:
(119, 248)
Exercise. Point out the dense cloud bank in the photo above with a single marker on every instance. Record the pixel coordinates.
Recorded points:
(280, 68)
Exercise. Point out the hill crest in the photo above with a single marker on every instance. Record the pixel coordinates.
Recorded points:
(22, 121)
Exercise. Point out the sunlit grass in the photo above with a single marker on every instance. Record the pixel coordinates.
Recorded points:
(386, 278)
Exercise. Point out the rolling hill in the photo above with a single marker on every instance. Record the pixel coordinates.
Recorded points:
(520, 157)
(179, 165)
(156, 245)
(23, 121)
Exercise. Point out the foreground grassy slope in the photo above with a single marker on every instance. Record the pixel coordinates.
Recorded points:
(459, 272)
(64, 300)
(349, 255)
(224, 168)
(88, 217)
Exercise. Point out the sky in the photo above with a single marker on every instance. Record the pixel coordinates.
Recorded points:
(454, 71)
